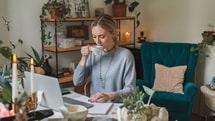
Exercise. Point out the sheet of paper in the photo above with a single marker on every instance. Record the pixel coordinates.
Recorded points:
(98, 108)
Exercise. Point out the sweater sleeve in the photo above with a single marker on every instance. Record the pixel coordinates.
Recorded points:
(81, 73)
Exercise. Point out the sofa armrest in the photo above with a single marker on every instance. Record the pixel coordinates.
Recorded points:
(190, 89)
(141, 82)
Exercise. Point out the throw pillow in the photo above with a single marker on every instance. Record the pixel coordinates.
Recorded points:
(169, 79)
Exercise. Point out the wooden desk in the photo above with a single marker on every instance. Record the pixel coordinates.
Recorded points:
(59, 117)
(88, 119)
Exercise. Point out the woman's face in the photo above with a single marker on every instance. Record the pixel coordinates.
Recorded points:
(103, 37)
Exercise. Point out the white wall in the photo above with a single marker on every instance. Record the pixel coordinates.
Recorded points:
(4, 34)
(162, 20)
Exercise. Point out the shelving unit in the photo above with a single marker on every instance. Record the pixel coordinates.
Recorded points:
(58, 50)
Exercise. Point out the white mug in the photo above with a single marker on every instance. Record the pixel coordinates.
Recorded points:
(96, 49)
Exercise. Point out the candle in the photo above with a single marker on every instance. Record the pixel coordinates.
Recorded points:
(32, 76)
(14, 78)
(127, 36)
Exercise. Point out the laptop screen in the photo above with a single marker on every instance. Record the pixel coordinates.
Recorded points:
(52, 97)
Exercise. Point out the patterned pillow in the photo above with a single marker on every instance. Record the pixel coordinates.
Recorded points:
(169, 79)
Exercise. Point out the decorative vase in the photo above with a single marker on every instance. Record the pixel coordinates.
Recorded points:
(122, 114)
(119, 10)
(152, 113)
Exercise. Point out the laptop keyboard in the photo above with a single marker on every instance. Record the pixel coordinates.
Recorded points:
(72, 101)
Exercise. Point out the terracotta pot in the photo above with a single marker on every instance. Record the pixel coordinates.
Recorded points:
(39, 70)
(53, 14)
(119, 10)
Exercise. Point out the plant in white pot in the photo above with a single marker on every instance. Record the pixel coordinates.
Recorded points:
(134, 109)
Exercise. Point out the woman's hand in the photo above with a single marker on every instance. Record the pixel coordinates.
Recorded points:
(85, 51)
(101, 97)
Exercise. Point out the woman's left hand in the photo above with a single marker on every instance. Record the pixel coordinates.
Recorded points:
(100, 98)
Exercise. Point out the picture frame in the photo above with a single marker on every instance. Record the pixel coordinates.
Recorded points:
(78, 32)
(79, 8)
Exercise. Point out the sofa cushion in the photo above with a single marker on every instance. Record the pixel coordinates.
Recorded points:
(169, 79)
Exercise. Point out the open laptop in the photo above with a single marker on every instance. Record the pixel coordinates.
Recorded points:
(52, 96)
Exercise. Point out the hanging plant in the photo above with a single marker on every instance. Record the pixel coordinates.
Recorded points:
(208, 39)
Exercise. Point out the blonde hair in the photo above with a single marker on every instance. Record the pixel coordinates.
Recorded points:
(107, 22)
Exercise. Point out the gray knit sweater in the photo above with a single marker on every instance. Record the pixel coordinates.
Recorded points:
(117, 75)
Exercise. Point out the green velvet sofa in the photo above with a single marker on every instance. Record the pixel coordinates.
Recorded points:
(170, 54)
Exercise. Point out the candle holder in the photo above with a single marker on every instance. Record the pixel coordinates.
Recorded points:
(141, 38)
(15, 108)
(32, 101)
(127, 36)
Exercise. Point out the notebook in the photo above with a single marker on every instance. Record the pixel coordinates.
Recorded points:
(52, 97)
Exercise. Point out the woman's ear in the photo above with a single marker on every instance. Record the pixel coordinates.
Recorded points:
(114, 34)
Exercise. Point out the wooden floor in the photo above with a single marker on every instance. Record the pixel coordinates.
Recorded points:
(196, 117)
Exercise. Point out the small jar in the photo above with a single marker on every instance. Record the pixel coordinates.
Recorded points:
(60, 35)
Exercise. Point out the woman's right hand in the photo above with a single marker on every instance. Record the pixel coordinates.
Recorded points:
(85, 51)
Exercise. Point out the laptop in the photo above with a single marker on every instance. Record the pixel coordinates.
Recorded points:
(52, 96)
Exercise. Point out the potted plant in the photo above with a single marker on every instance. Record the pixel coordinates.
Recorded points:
(20, 106)
(56, 9)
(6, 52)
(40, 62)
(134, 109)
(116, 4)
(208, 39)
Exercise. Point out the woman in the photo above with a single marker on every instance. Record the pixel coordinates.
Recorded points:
(112, 72)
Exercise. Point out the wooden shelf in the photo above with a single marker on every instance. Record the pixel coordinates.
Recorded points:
(65, 79)
(53, 49)
(123, 43)
(87, 19)
(77, 48)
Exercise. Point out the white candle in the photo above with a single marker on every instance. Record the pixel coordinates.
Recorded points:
(32, 76)
(14, 78)
(127, 36)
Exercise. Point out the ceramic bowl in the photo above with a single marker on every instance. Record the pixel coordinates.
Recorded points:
(74, 112)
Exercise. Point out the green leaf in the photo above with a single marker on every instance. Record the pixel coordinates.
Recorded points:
(108, 1)
(6, 52)
(22, 63)
(132, 6)
(1, 42)
(22, 97)
(137, 23)
(37, 59)
(6, 96)
(20, 41)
